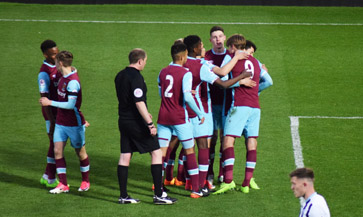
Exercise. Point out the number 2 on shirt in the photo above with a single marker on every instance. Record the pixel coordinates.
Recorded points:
(167, 91)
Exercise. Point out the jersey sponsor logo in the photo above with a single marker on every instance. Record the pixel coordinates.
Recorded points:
(61, 94)
(138, 93)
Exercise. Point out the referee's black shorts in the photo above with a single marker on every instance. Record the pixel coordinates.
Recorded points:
(135, 136)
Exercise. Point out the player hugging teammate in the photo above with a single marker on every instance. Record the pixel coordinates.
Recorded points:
(208, 94)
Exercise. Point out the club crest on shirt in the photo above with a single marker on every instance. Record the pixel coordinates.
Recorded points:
(138, 92)
(64, 87)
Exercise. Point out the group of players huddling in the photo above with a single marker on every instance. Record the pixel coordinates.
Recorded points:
(234, 111)
(203, 95)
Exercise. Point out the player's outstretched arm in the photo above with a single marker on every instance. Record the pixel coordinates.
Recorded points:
(232, 81)
(70, 104)
(247, 82)
(73, 88)
(225, 69)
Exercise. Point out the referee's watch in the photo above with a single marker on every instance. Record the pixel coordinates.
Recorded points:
(151, 125)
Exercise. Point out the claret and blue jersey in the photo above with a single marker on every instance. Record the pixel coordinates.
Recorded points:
(48, 79)
(69, 101)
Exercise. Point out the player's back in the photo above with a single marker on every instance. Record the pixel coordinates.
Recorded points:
(172, 109)
(247, 96)
(194, 66)
(69, 117)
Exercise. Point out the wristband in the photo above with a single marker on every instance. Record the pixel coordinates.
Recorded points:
(151, 123)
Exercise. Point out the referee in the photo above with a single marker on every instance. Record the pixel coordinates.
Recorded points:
(138, 133)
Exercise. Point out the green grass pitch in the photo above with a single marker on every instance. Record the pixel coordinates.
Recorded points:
(316, 68)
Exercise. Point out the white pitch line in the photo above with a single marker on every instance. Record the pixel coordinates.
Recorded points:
(172, 22)
(296, 142)
(328, 117)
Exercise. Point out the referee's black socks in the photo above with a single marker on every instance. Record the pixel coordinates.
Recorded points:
(156, 172)
(122, 174)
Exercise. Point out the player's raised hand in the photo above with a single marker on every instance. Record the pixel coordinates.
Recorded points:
(241, 55)
(44, 101)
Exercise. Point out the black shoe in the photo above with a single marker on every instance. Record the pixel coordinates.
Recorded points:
(128, 200)
(201, 193)
(165, 189)
(205, 191)
(164, 199)
(198, 194)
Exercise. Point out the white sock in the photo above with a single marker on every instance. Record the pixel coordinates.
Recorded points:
(45, 176)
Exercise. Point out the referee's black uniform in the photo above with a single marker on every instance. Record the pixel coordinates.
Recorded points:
(135, 134)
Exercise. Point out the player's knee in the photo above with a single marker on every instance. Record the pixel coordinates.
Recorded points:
(189, 151)
(125, 159)
(202, 143)
(251, 144)
(156, 156)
